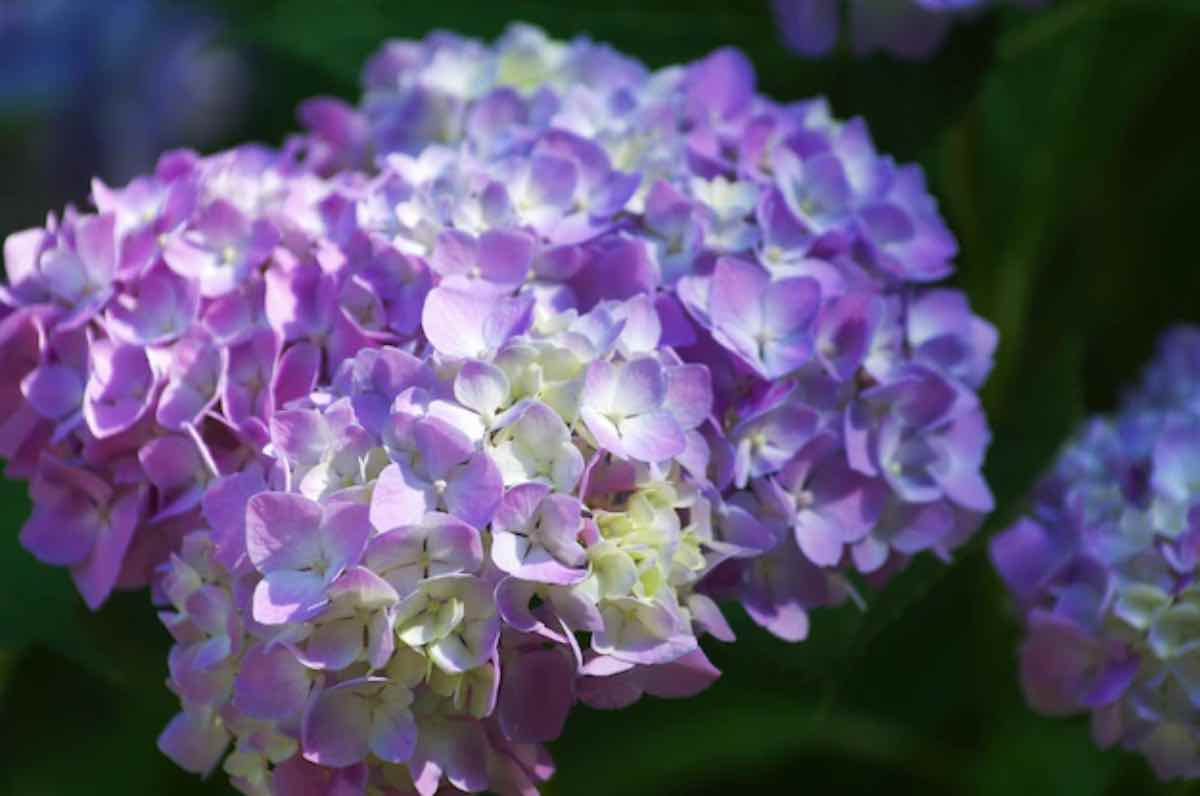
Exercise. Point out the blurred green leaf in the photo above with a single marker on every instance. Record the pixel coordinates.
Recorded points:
(1050, 208)
(64, 731)
(1042, 756)
(643, 749)
(37, 603)
(124, 643)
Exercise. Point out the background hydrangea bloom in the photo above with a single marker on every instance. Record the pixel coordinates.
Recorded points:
(482, 392)
(911, 29)
(1104, 564)
(111, 84)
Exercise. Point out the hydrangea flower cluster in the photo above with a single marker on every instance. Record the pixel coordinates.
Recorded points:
(400, 595)
(535, 355)
(910, 29)
(777, 247)
(1104, 567)
(147, 343)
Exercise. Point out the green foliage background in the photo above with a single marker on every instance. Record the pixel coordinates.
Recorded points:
(1062, 147)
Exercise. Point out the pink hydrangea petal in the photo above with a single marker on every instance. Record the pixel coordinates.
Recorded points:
(641, 386)
(53, 390)
(296, 373)
(475, 491)
(393, 734)
(286, 595)
(344, 530)
(96, 576)
(652, 437)
(536, 695)
(334, 644)
(337, 728)
(272, 684)
(281, 531)
(400, 498)
(62, 537)
(195, 741)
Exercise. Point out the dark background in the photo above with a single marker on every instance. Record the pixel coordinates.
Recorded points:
(1062, 147)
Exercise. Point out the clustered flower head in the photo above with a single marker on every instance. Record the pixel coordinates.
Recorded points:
(147, 343)
(910, 29)
(1104, 568)
(483, 394)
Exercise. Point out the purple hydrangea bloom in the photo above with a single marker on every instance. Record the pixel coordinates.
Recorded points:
(493, 385)
(909, 29)
(154, 361)
(1104, 564)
